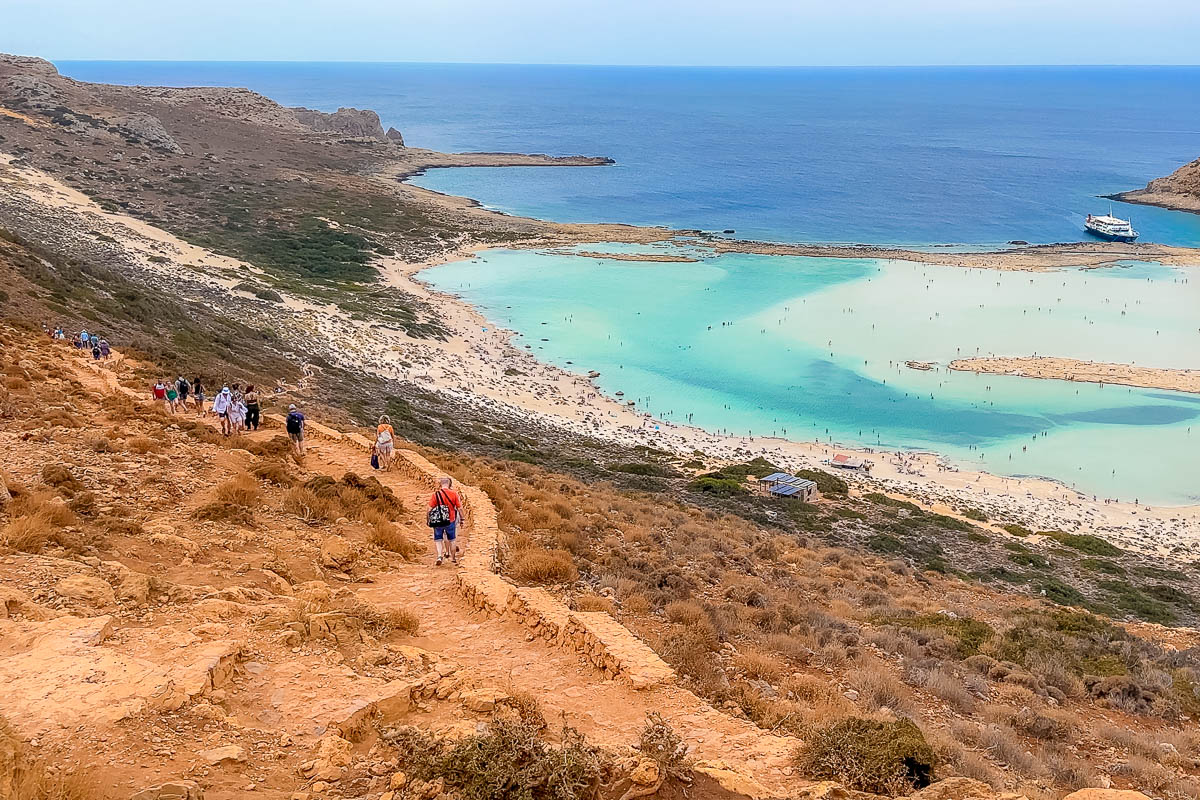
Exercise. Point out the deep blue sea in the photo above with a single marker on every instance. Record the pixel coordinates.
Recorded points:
(915, 156)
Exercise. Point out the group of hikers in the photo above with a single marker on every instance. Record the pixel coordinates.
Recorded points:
(94, 342)
(238, 409)
(241, 410)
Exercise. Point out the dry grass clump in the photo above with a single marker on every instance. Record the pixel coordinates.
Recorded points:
(23, 776)
(224, 511)
(102, 444)
(305, 504)
(60, 477)
(759, 666)
(144, 444)
(388, 536)
(275, 472)
(869, 755)
(323, 499)
(539, 566)
(593, 602)
(27, 534)
(239, 490)
(877, 689)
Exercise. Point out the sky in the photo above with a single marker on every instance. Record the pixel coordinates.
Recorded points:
(667, 32)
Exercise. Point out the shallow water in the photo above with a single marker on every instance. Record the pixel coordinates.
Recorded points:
(814, 348)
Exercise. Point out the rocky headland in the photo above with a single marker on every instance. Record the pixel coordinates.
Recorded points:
(1179, 191)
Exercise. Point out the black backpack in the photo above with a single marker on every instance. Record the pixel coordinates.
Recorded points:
(439, 515)
(293, 422)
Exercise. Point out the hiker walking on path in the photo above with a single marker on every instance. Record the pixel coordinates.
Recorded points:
(105, 349)
(221, 408)
(253, 409)
(237, 412)
(184, 389)
(172, 397)
(160, 391)
(385, 442)
(295, 428)
(445, 510)
(198, 395)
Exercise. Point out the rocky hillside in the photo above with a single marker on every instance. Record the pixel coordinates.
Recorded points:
(1180, 190)
(190, 615)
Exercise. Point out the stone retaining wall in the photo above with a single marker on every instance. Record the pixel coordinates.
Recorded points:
(608, 645)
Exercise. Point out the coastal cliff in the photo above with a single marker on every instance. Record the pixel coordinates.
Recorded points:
(1179, 191)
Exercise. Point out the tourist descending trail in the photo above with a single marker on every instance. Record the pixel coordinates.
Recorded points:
(385, 442)
(160, 391)
(237, 412)
(295, 428)
(221, 406)
(253, 409)
(445, 510)
(198, 395)
(183, 388)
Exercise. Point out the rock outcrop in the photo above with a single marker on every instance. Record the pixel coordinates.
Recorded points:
(1179, 191)
(354, 122)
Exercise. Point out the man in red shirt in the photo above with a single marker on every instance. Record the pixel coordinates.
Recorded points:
(443, 537)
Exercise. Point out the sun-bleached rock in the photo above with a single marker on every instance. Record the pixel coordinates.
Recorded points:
(89, 589)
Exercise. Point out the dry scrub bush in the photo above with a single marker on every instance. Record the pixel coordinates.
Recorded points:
(240, 490)
(306, 505)
(275, 472)
(384, 622)
(538, 566)
(877, 689)
(26, 534)
(23, 776)
(323, 499)
(387, 536)
(593, 602)
(759, 666)
(144, 444)
(60, 477)
(226, 512)
(869, 755)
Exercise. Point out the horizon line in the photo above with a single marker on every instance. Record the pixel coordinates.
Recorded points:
(602, 65)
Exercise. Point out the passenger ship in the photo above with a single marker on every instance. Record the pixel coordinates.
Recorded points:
(1109, 227)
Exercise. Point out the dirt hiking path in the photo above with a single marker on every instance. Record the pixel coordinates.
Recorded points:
(501, 652)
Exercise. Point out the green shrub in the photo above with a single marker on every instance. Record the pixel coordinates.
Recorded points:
(508, 760)
(650, 470)
(975, 514)
(829, 485)
(869, 755)
(1062, 593)
(1102, 565)
(722, 487)
(1084, 543)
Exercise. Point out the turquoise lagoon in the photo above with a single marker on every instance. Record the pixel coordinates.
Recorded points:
(814, 348)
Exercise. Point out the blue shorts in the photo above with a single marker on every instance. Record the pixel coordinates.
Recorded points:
(447, 531)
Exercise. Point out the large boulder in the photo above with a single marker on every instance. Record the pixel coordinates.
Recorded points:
(87, 588)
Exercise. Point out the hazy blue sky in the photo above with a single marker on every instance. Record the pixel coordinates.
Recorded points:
(749, 32)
